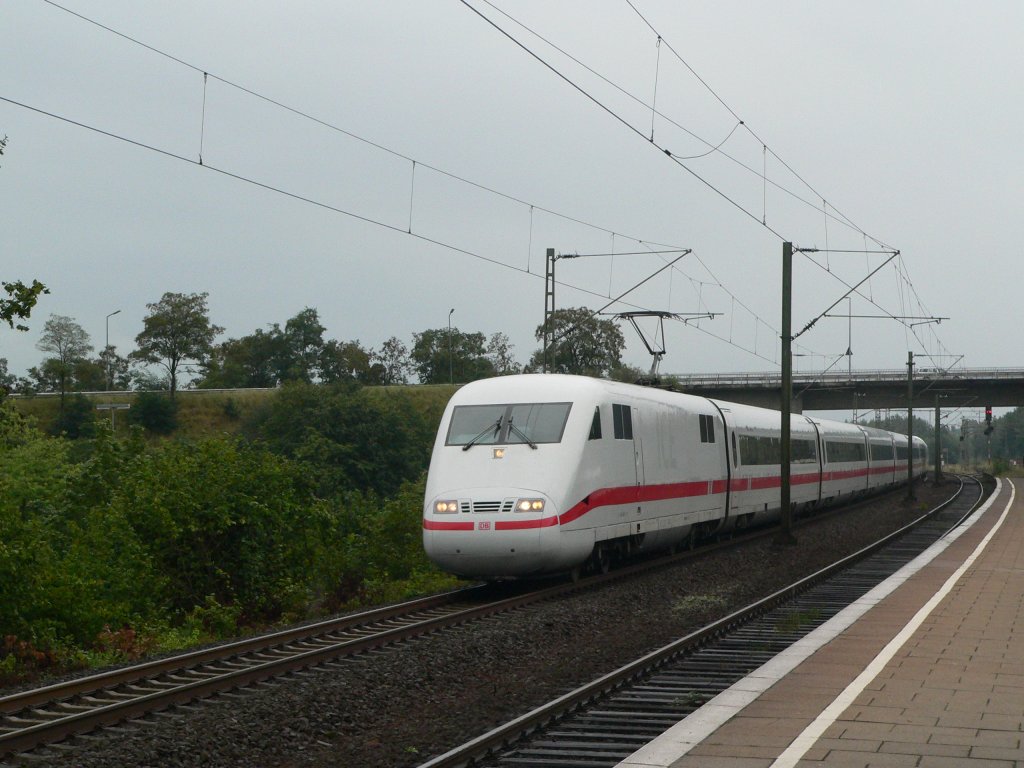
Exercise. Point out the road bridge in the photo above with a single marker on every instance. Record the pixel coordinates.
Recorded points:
(865, 390)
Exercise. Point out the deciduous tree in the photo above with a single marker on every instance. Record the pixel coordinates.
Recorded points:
(8, 381)
(176, 330)
(499, 351)
(20, 300)
(303, 345)
(440, 356)
(116, 369)
(394, 359)
(348, 361)
(251, 361)
(346, 437)
(68, 342)
(582, 344)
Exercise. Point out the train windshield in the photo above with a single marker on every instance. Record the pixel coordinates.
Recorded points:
(508, 424)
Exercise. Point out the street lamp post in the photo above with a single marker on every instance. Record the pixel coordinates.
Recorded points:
(106, 347)
(451, 376)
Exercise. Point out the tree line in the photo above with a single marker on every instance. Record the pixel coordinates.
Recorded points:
(179, 342)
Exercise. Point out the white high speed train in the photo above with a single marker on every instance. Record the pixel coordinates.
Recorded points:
(541, 474)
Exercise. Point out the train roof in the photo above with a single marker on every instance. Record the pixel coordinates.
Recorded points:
(538, 387)
(527, 387)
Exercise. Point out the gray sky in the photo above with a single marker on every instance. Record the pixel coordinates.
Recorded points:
(902, 118)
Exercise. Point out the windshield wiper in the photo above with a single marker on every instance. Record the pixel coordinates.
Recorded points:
(513, 428)
(496, 426)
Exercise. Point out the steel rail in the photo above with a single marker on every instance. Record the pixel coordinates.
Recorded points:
(78, 706)
(111, 678)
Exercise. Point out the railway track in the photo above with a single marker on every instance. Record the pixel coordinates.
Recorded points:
(41, 716)
(52, 714)
(604, 722)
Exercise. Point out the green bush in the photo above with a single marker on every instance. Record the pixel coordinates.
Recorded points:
(347, 439)
(220, 518)
(77, 419)
(372, 549)
(110, 548)
(157, 412)
(33, 469)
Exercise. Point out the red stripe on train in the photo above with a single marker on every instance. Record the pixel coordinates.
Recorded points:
(519, 525)
(607, 497)
(444, 525)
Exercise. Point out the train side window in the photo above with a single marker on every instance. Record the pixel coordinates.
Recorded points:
(803, 452)
(707, 428)
(595, 425)
(735, 453)
(622, 422)
(881, 452)
(845, 451)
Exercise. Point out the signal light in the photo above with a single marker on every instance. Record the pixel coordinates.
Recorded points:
(988, 413)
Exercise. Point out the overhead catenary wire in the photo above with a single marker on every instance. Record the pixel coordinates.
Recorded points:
(732, 112)
(617, 117)
(730, 341)
(293, 195)
(376, 145)
(617, 299)
(414, 162)
(908, 330)
(336, 128)
(714, 147)
(202, 129)
(904, 274)
(654, 98)
(583, 91)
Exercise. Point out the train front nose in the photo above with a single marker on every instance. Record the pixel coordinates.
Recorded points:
(489, 535)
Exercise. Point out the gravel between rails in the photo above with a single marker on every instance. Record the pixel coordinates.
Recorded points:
(400, 707)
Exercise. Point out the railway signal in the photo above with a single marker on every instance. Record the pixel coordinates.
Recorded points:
(988, 420)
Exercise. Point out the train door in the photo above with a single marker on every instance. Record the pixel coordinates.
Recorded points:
(731, 498)
(638, 452)
(819, 446)
(625, 430)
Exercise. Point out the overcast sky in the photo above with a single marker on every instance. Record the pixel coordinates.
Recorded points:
(866, 126)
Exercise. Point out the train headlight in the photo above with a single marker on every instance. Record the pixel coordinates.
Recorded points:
(444, 507)
(530, 505)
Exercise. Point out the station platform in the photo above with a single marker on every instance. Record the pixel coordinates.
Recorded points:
(926, 670)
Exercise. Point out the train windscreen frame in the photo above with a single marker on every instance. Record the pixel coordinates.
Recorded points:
(508, 423)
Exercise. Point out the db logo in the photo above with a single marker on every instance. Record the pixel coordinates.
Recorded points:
(483, 526)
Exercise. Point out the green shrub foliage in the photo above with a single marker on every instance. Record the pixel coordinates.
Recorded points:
(109, 546)
(220, 519)
(155, 411)
(77, 418)
(345, 437)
